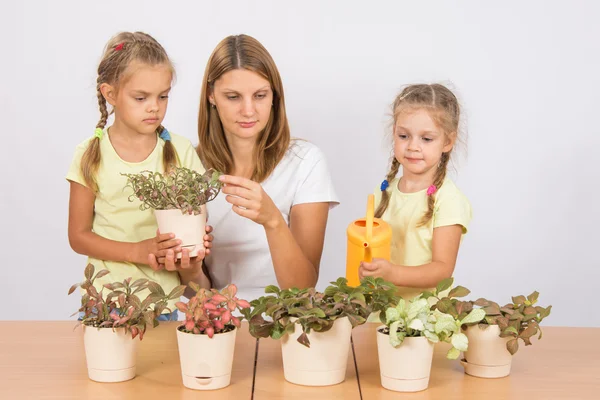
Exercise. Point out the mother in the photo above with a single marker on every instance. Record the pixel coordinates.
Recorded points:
(269, 222)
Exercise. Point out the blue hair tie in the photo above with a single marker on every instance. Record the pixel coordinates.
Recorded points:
(384, 185)
(165, 135)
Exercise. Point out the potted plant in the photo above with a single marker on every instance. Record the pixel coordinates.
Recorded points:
(111, 321)
(178, 198)
(494, 340)
(315, 328)
(405, 343)
(206, 339)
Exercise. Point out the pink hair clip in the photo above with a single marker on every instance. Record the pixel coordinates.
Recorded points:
(431, 190)
(119, 46)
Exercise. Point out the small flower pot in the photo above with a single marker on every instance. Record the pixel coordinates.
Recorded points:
(487, 356)
(189, 228)
(324, 363)
(110, 355)
(206, 362)
(405, 368)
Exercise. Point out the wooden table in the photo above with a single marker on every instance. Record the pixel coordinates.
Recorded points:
(45, 360)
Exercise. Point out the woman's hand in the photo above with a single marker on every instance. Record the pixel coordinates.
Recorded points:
(250, 201)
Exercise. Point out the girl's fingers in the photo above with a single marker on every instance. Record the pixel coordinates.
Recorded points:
(368, 266)
(153, 263)
(161, 237)
(168, 244)
(170, 261)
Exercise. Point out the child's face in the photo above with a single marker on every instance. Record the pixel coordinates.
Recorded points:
(419, 142)
(141, 100)
(243, 99)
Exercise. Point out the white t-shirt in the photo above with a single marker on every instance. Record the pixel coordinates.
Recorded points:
(240, 252)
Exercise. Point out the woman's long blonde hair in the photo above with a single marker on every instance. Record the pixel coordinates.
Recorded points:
(242, 52)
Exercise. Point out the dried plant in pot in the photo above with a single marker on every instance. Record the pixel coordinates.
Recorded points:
(496, 339)
(178, 198)
(315, 327)
(113, 317)
(206, 338)
(411, 328)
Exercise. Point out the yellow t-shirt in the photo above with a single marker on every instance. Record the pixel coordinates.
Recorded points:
(411, 245)
(116, 218)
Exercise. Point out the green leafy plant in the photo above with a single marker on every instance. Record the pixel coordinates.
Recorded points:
(210, 311)
(121, 307)
(180, 188)
(316, 311)
(416, 318)
(517, 320)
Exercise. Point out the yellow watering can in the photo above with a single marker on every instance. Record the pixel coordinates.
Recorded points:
(368, 238)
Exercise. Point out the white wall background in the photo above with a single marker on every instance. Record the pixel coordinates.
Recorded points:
(526, 72)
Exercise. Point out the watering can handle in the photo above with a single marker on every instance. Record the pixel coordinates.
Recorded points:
(369, 227)
(370, 214)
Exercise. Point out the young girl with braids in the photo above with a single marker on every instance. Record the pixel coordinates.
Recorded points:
(428, 214)
(134, 79)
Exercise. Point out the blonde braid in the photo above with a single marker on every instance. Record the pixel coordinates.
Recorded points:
(90, 161)
(385, 196)
(170, 158)
(438, 181)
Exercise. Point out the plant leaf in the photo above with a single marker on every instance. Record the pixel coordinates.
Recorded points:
(453, 354)
(102, 273)
(509, 331)
(392, 314)
(303, 339)
(89, 271)
(474, 316)
(177, 292)
(272, 289)
(533, 297)
(433, 338)
(154, 287)
(416, 324)
(460, 341)
(459, 291)
(72, 288)
(512, 346)
(444, 285)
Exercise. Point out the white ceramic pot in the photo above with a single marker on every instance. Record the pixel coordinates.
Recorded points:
(405, 368)
(190, 229)
(206, 362)
(110, 355)
(487, 356)
(324, 363)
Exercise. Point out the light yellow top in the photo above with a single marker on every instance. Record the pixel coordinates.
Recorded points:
(411, 245)
(117, 218)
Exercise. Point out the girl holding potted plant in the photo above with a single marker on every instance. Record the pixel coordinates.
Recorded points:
(134, 80)
(270, 225)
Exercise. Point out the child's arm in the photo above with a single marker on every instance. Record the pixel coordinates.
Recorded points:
(444, 246)
(84, 241)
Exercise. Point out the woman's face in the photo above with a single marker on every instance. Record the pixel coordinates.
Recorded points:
(244, 100)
